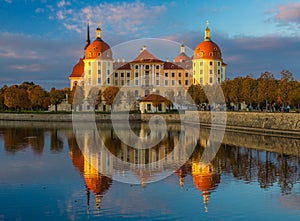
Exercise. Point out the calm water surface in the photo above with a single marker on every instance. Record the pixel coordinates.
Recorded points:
(44, 175)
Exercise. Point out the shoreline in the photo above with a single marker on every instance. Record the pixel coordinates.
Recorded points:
(283, 124)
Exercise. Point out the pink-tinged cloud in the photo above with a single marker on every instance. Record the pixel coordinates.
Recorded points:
(28, 67)
(288, 13)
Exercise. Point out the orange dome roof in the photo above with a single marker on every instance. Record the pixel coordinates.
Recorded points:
(78, 69)
(98, 48)
(207, 50)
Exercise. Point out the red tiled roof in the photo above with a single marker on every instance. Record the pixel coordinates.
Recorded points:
(170, 65)
(146, 56)
(152, 97)
(78, 69)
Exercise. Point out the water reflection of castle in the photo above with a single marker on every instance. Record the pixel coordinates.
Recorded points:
(248, 164)
(145, 163)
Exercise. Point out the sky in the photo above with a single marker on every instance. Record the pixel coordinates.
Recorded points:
(41, 41)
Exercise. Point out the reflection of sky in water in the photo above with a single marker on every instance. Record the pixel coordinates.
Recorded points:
(47, 184)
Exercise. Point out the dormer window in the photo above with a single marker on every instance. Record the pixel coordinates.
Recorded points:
(211, 54)
(90, 54)
(99, 54)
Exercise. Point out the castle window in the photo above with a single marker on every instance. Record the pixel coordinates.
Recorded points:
(147, 67)
(157, 66)
(136, 75)
(116, 82)
(157, 82)
(219, 63)
(136, 93)
(201, 63)
(99, 80)
(186, 74)
(201, 71)
(157, 75)
(210, 63)
(128, 74)
(215, 49)
(99, 54)
(211, 54)
(218, 72)
(116, 74)
(186, 82)
(166, 82)
(128, 82)
(122, 75)
(136, 67)
(173, 82)
(179, 82)
(122, 82)
(201, 80)
(173, 74)
(99, 71)
(166, 74)
(108, 80)
(136, 82)
(90, 54)
(210, 80)
(99, 63)
(211, 71)
(179, 74)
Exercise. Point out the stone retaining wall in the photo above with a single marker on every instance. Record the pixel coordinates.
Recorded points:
(284, 123)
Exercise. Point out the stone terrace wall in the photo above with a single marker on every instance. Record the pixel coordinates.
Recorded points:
(250, 121)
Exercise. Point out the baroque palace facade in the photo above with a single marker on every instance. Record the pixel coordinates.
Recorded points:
(147, 74)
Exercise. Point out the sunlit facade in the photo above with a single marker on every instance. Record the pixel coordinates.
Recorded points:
(147, 74)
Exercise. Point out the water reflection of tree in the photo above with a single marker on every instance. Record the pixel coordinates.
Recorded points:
(16, 139)
(56, 143)
(253, 165)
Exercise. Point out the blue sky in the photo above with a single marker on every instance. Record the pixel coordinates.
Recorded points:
(42, 40)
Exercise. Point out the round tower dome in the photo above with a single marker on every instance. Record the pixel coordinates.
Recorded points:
(98, 48)
(207, 49)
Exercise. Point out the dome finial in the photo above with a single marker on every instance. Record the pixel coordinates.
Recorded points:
(98, 31)
(182, 48)
(207, 32)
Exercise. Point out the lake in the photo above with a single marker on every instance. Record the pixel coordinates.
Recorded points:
(48, 171)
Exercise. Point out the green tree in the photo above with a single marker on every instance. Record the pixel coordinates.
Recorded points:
(56, 97)
(110, 96)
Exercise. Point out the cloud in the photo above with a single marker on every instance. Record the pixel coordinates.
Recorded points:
(63, 3)
(252, 55)
(289, 12)
(32, 58)
(8, 1)
(118, 18)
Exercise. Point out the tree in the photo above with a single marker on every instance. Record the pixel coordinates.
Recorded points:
(16, 98)
(284, 86)
(169, 98)
(56, 97)
(249, 90)
(2, 105)
(267, 88)
(110, 96)
(294, 94)
(92, 97)
(37, 96)
(99, 98)
(78, 97)
(156, 102)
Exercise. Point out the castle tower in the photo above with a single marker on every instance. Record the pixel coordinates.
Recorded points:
(208, 66)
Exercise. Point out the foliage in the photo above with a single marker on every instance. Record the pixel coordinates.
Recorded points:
(110, 96)
(56, 97)
(92, 96)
